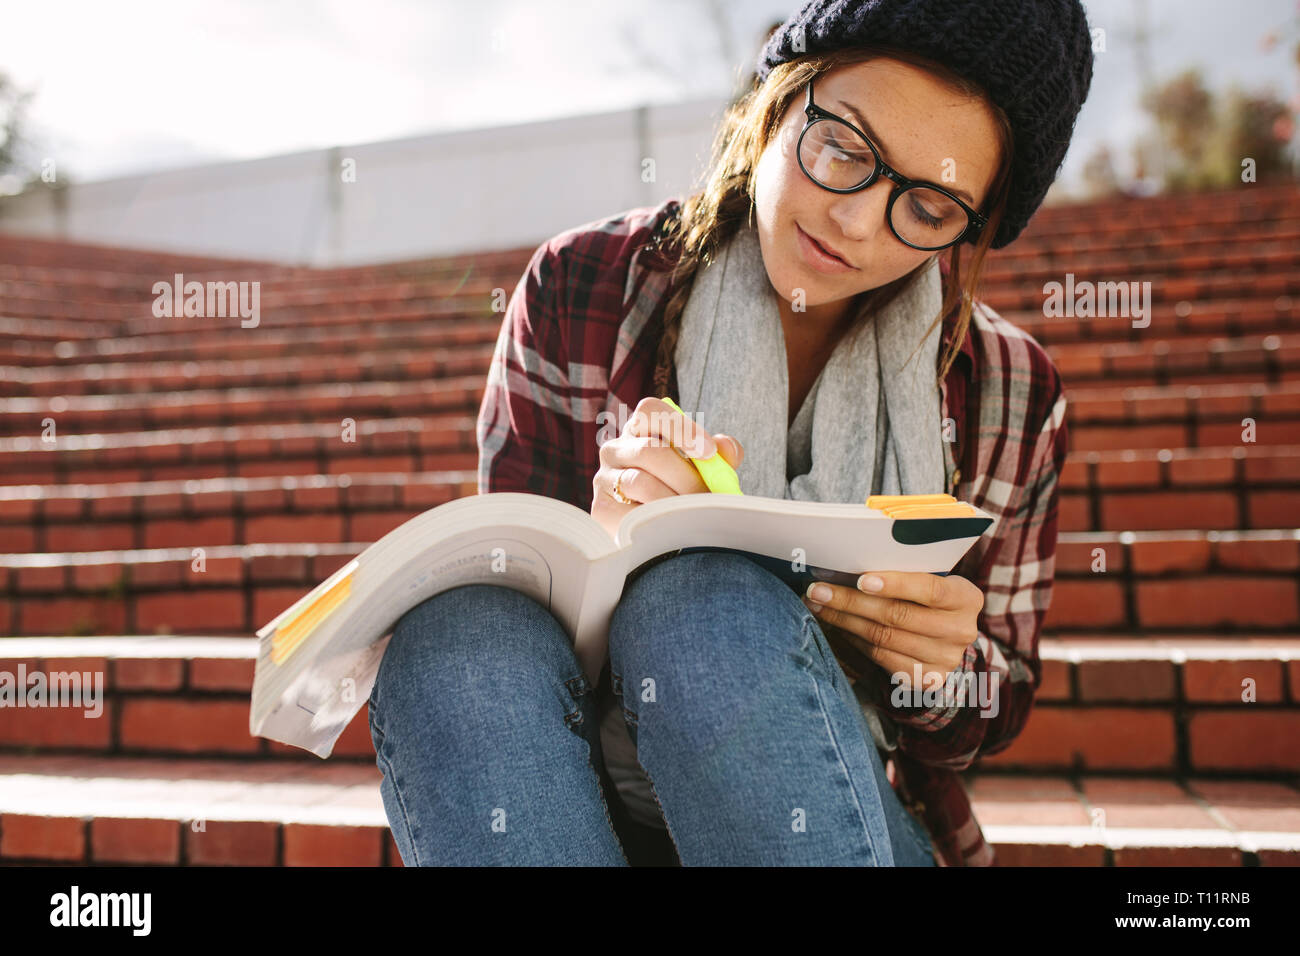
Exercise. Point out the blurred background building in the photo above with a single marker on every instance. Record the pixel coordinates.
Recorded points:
(610, 107)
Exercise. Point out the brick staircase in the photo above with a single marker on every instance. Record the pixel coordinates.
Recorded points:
(1178, 574)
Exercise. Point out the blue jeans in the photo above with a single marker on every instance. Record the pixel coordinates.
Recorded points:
(486, 734)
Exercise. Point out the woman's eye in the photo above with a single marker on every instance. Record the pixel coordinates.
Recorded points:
(925, 216)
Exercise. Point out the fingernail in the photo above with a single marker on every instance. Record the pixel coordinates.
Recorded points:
(869, 582)
(819, 592)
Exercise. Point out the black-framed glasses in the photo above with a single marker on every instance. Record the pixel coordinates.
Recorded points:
(839, 157)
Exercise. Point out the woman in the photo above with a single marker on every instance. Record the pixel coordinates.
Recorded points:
(800, 300)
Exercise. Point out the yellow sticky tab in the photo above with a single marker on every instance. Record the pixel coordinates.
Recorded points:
(718, 476)
(885, 501)
(289, 636)
(958, 510)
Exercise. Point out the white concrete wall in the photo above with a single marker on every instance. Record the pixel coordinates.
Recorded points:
(412, 198)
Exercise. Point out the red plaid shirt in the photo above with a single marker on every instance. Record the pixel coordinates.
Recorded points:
(579, 339)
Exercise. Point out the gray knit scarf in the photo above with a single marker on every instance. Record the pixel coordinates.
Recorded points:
(875, 425)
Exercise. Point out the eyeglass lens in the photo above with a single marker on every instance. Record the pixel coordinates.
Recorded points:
(836, 156)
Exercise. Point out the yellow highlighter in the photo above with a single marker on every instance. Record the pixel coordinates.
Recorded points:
(719, 476)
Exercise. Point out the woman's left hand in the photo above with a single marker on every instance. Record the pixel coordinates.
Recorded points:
(913, 618)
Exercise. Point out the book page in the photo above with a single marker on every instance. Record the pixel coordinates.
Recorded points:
(308, 699)
(846, 538)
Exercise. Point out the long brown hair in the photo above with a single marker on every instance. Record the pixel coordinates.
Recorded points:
(707, 219)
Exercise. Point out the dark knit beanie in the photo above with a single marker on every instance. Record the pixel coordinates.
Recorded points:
(1032, 57)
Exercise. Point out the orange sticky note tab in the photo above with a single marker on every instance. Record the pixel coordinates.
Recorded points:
(884, 501)
(956, 510)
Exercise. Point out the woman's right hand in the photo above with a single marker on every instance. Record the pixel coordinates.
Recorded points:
(650, 466)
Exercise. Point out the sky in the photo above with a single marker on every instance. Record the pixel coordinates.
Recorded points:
(140, 85)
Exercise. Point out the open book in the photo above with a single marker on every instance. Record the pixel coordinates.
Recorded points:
(317, 660)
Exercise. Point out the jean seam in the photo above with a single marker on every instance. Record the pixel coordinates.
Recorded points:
(386, 768)
(578, 688)
(654, 792)
(631, 720)
(808, 624)
(609, 820)
(829, 665)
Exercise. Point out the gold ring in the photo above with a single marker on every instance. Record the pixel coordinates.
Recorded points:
(618, 492)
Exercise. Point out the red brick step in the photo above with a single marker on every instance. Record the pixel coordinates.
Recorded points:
(183, 811)
(1154, 705)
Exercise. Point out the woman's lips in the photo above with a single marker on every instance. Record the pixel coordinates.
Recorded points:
(833, 253)
(818, 257)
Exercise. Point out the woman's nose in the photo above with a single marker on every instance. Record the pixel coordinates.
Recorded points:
(861, 215)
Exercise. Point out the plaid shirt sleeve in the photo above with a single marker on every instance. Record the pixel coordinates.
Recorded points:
(524, 428)
(1014, 568)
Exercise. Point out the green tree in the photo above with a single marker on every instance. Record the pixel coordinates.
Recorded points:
(1183, 112)
(1202, 139)
(13, 116)
(1257, 126)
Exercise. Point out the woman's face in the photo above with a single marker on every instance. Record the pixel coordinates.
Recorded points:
(921, 129)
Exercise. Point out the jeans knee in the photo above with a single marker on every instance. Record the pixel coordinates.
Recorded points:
(701, 616)
(477, 633)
